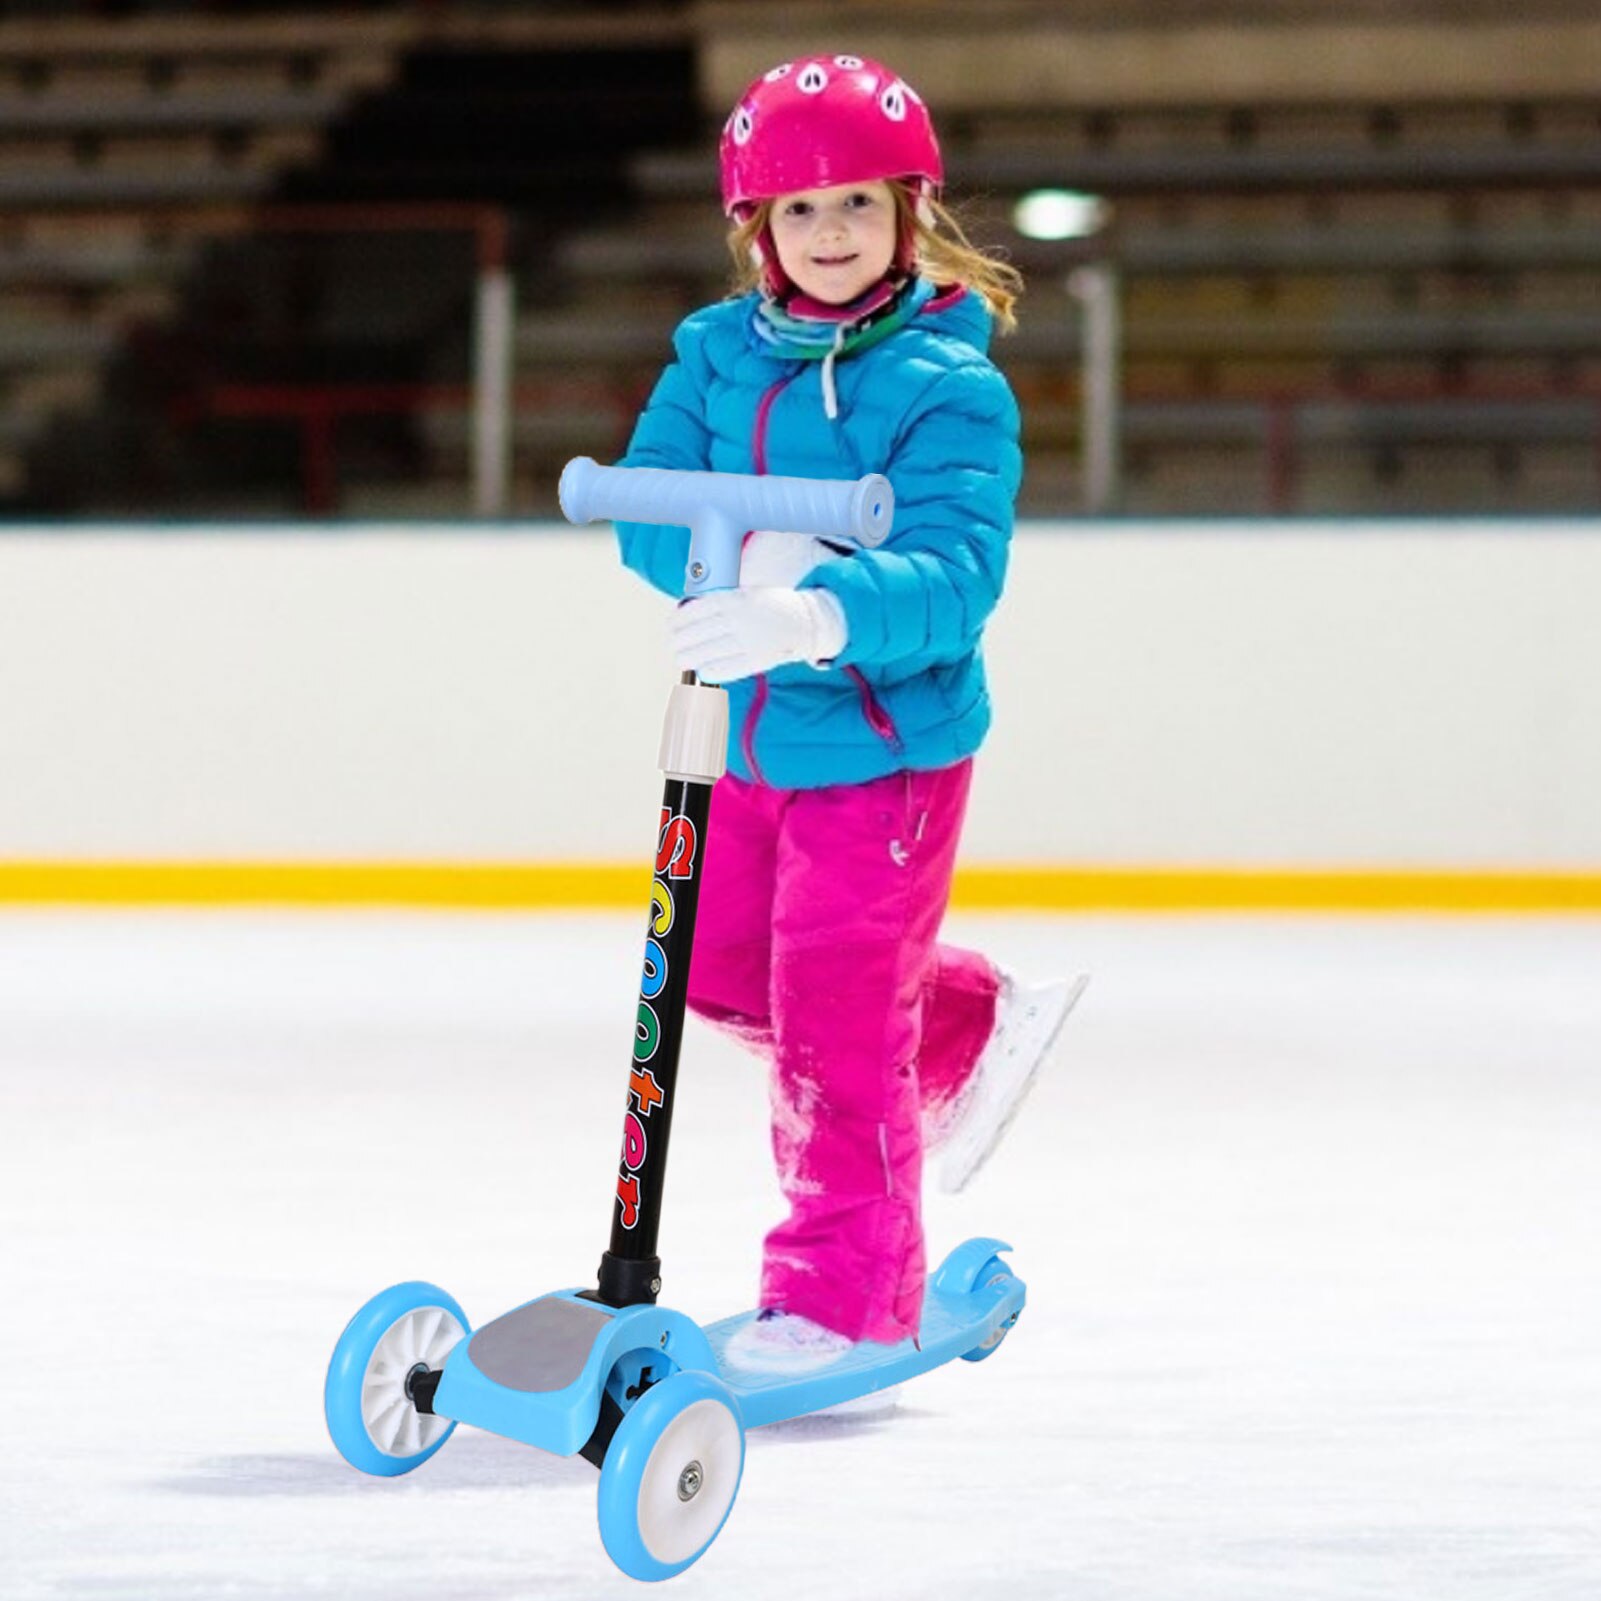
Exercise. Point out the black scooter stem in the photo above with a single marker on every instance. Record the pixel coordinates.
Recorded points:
(717, 508)
(694, 746)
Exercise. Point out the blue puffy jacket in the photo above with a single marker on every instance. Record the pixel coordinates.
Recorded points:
(926, 407)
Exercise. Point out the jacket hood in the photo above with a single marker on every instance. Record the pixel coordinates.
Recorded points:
(960, 313)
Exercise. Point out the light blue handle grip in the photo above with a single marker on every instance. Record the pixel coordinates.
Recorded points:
(719, 508)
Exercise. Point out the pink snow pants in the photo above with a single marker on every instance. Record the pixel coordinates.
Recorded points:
(816, 945)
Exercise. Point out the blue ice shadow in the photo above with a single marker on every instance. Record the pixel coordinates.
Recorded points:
(471, 1462)
(480, 1462)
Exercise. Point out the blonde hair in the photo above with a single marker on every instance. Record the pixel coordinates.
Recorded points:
(941, 252)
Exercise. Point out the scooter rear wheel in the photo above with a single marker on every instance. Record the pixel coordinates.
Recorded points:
(993, 1272)
(670, 1475)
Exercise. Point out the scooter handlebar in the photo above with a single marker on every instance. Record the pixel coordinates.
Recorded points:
(719, 508)
(859, 510)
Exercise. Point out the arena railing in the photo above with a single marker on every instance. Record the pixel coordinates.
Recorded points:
(488, 397)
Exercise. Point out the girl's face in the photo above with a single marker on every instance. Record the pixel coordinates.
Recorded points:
(835, 244)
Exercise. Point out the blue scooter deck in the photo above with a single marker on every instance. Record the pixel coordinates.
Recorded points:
(537, 1373)
(953, 1324)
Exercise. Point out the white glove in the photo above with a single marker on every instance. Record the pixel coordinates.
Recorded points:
(772, 557)
(737, 633)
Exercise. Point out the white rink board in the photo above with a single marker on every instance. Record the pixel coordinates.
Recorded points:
(1320, 694)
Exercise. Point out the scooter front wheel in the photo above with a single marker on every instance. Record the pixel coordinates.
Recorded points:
(367, 1399)
(670, 1476)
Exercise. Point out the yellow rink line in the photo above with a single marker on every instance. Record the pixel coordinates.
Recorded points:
(980, 887)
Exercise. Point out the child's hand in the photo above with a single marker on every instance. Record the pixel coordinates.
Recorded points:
(773, 558)
(737, 633)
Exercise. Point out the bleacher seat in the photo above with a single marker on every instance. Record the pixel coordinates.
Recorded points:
(1347, 283)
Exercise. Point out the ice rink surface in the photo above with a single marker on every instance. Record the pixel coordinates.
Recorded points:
(1309, 1211)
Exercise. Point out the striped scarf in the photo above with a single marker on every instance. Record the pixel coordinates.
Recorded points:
(810, 330)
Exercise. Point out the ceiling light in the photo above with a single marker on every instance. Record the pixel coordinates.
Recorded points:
(1060, 214)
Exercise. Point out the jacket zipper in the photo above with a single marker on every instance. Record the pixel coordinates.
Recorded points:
(747, 735)
(878, 719)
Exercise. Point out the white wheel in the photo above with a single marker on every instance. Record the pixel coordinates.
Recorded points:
(370, 1413)
(421, 1339)
(689, 1483)
(670, 1475)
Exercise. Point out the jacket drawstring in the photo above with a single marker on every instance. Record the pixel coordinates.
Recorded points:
(830, 395)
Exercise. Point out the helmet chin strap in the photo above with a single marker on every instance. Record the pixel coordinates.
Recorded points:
(775, 281)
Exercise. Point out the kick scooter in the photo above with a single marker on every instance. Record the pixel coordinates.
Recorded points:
(643, 1392)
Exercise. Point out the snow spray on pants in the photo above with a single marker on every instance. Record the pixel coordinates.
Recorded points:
(817, 946)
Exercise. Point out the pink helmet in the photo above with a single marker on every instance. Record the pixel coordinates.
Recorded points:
(825, 120)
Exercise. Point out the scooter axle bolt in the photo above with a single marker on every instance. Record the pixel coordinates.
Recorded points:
(690, 1481)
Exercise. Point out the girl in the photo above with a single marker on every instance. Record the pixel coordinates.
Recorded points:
(855, 343)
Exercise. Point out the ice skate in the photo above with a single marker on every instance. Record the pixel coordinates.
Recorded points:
(785, 1342)
(1028, 1017)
